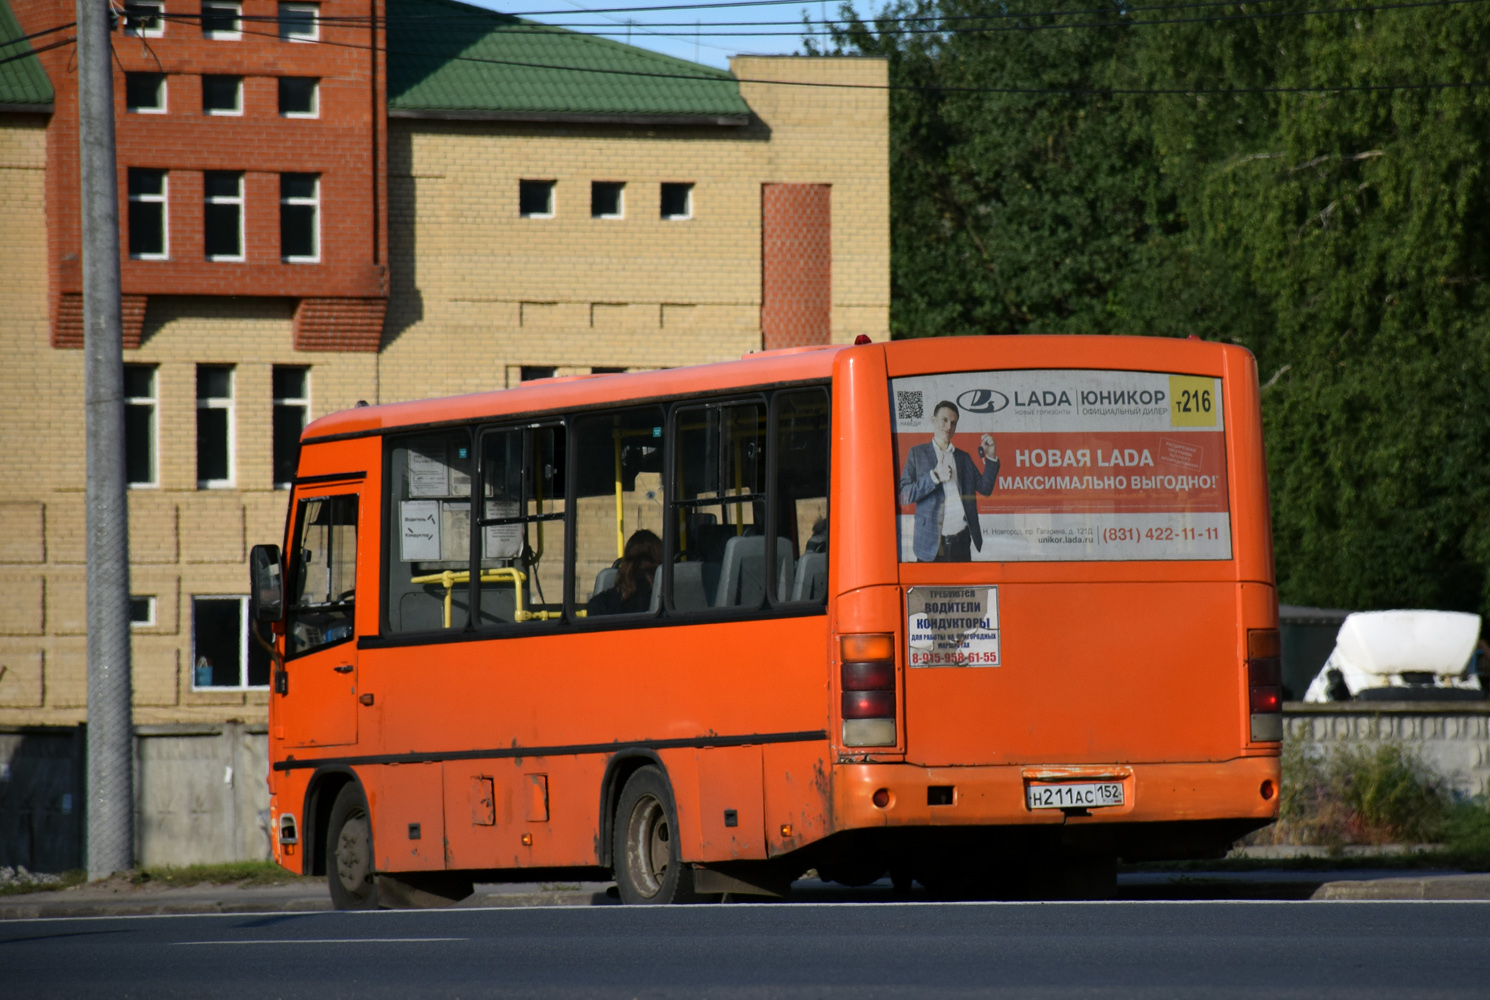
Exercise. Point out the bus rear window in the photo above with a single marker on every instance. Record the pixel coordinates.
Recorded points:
(1060, 465)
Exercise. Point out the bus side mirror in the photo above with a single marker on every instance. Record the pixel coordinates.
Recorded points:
(266, 589)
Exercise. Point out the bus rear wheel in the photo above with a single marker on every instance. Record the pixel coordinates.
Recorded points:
(648, 861)
(349, 853)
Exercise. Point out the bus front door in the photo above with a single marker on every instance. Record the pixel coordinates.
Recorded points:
(316, 694)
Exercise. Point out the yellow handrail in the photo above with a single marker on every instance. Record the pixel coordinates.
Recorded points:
(620, 531)
(501, 574)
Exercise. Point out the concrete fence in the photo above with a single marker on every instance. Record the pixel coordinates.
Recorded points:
(202, 796)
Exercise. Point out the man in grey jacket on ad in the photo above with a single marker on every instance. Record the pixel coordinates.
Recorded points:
(941, 480)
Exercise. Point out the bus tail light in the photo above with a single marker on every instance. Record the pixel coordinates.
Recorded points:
(867, 673)
(1265, 684)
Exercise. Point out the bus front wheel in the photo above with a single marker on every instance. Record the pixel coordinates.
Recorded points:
(648, 863)
(349, 853)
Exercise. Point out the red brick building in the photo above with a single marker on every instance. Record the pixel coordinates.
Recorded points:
(251, 163)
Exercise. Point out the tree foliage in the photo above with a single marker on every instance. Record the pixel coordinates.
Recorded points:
(1194, 178)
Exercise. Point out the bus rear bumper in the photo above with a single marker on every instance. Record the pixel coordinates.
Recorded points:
(1244, 788)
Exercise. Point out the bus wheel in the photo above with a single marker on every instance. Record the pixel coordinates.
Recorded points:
(349, 853)
(648, 862)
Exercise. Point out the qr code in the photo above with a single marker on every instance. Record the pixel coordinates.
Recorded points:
(908, 405)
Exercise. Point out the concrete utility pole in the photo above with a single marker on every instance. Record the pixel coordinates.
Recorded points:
(110, 810)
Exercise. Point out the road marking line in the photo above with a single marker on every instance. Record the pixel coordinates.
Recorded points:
(420, 940)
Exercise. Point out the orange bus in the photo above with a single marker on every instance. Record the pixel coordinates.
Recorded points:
(986, 613)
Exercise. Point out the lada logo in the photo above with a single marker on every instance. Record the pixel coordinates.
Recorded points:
(982, 401)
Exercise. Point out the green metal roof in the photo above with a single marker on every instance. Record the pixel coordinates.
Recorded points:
(23, 83)
(452, 60)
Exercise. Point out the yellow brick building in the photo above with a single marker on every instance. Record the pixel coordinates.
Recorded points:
(654, 251)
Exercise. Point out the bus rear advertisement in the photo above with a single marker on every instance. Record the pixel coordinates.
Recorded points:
(987, 613)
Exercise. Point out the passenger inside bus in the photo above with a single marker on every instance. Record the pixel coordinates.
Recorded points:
(629, 589)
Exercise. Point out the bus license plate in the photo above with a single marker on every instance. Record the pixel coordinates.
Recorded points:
(1083, 796)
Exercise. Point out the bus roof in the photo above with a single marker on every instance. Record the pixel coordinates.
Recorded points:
(760, 369)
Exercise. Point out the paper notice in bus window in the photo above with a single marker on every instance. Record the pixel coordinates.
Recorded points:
(1060, 465)
(455, 531)
(419, 530)
(502, 541)
(953, 626)
(429, 474)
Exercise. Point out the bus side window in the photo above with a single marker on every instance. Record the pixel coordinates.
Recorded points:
(718, 507)
(429, 528)
(323, 598)
(618, 506)
(802, 422)
(522, 524)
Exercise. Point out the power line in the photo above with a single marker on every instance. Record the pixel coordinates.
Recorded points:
(38, 34)
(44, 48)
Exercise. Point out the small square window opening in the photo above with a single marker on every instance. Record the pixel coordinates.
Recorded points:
(223, 220)
(147, 214)
(677, 201)
(299, 96)
(222, 95)
(145, 93)
(299, 22)
(535, 199)
(607, 199)
(222, 22)
(144, 20)
(142, 611)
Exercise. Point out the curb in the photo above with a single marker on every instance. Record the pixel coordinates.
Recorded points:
(52, 910)
(1431, 887)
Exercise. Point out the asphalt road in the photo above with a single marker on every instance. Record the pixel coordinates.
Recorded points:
(861, 951)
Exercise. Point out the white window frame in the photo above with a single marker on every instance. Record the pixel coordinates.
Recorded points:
(237, 110)
(313, 202)
(313, 9)
(164, 93)
(159, 30)
(620, 212)
(223, 403)
(677, 218)
(243, 640)
(150, 619)
(315, 100)
(213, 199)
(224, 36)
(292, 401)
(164, 200)
(152, 401)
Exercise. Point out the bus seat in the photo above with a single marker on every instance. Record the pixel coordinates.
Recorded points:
(688, 587)
(742, 574)
(786, 568)
(812, 577)
(605, 579)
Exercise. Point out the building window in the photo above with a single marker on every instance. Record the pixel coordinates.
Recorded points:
(300, 218)
(606, 199)
(145, 93)
(535, 199)
(222, 95)
(139, 424)
(147, 214)
(214, 426)
(223, 222)
(530, 372)
(299, 96)
(221, 21)
(677, 201)
(298, 22)
(291, 408)
(142, 611)
(144, 20)
(223, 654)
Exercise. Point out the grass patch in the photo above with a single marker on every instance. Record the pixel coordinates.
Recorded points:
(244, 873)
(19, 882)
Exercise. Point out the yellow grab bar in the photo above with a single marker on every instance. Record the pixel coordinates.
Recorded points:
(501, 574)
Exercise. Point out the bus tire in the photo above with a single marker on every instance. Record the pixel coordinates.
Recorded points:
(649, 866)
(349, 853)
